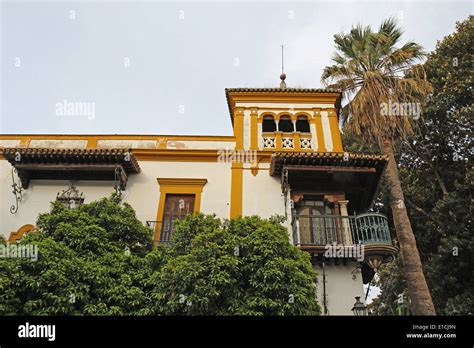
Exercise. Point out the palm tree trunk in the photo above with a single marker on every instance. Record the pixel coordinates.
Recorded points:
(421, 302)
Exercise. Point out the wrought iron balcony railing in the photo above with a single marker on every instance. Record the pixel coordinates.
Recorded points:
(319, 230)
(154, 225)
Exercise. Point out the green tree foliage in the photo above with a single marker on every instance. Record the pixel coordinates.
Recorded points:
(436, 169)
(97, 260)
(244, 266)
(91, 260)
(374, 70)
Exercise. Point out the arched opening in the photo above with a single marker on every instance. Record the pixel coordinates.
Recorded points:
(22, 231)
(268, 124)
(302, 124)
(285, 124)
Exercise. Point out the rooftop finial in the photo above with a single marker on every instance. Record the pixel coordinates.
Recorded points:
(283, 75)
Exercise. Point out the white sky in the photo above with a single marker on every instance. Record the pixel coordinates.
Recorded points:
(182, 55)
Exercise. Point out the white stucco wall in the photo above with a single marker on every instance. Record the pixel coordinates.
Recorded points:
(215, 197)
(261, 195)
(58, 144)
(127, 144)
(200, 145)
(340, 288)
(142, 191)
(9, 142)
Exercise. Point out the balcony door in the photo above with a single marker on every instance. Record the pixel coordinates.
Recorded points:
(176, 208)
(315, 226)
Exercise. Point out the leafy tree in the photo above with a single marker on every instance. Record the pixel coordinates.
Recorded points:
(436, 171)
(97, 260)
(374, 75)
(91, 261)
(244, 266)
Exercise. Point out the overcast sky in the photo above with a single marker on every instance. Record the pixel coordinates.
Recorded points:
(160, 67)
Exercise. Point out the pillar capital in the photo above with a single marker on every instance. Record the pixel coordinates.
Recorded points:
(239, 111)
(331, 112)
(343, 203)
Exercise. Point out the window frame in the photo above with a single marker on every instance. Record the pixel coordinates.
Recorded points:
(177, 186)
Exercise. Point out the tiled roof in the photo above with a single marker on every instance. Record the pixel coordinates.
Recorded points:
(283, 90)
(122, 157)
(279, 159)
(274, 90)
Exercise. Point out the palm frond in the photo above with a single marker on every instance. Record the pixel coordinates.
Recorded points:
(372, 72)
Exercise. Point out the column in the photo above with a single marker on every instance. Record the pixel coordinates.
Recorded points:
(345, 222)
(335, 132)
(316, 121)
(254, 129)
(326, 130)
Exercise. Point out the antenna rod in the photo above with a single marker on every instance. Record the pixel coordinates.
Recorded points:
(282, 61)
(283, 75)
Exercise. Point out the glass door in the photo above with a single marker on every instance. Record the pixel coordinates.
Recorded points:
(176, 208)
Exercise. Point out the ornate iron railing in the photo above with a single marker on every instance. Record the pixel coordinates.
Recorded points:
(369, 228)
(154, 225)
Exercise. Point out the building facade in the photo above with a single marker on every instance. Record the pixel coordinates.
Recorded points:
(285, 157)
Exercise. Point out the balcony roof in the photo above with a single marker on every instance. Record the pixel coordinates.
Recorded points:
(347, 159)
(355, 175)
(71, 164)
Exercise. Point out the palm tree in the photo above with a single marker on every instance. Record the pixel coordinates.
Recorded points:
(376, 77)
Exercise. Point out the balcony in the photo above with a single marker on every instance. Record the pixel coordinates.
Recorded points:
(314, 232)
(287, 141)
(155, 226)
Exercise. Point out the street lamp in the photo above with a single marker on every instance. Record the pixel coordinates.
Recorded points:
(359, 308)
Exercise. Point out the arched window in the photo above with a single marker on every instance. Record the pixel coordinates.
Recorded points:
(285, 124)
(302, 124)
(268, 124)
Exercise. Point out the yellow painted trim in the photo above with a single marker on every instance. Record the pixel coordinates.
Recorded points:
(188, 155)
(283, 97)
(116, 137)
(239, 128)
(303, 113)
(24, 142)
(335, 132)
(236, 190)
(254, 129)
(181, 182)
(293, 115)
(278, 141)
(319, 130)
(284, 113)
(177, 186)
(267, 113)
(17, 235)
(296, 141)
(92, 142)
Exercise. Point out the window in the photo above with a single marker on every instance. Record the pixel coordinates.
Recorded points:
(176, 208)
(317, 226)
(178, 197)
(285, 124)
(302, 124)
(268, 124)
